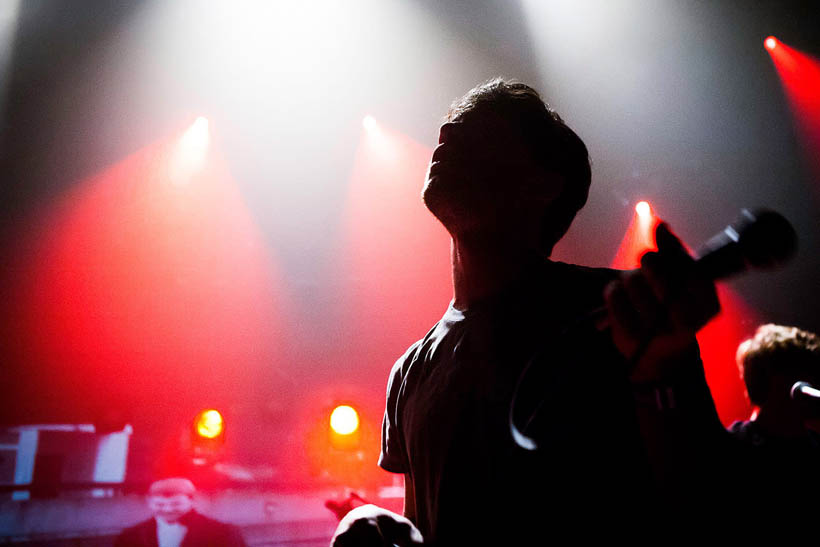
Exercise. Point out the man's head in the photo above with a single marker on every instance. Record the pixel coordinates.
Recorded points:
(170, 499)
(505, 158)
(774, 359)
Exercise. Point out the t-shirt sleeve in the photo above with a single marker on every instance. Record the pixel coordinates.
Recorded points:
(682, 433)
(393, 456)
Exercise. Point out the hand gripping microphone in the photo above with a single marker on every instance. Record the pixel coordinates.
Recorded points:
(757, 239)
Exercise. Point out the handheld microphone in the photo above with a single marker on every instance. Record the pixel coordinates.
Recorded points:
(807, 398)
(758, 238)
(804, 390)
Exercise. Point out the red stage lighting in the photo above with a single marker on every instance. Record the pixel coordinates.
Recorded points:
(344, 420)
(638, 239)
(770, 43)
(127, 256)
(799, 74)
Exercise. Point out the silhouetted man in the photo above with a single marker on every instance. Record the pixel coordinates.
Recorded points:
(777, 457)
(506, 181)
(770, 363)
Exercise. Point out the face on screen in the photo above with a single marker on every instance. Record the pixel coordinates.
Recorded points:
(170, 508)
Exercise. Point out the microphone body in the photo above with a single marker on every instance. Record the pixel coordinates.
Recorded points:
(807, 398)
(756, 239)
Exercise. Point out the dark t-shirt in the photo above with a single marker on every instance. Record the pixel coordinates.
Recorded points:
(777, 479)
(446, 423)
(202, 532)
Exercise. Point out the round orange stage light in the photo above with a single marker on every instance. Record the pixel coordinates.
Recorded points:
(770, 43)
(344, 420)
(643, 209)
(209, 424)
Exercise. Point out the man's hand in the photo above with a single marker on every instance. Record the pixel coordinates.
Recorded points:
(373, 526)
(342, 507)
(655, 312)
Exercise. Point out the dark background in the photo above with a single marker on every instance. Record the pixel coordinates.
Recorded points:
(678, 102)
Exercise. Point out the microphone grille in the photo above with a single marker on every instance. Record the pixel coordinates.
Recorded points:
(765, 237)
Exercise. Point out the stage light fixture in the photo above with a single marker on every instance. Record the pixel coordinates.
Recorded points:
(370, 124)
(191, 151)
(209, 424)
(195, 140)
(344, 420)
(770, 43)
(643, 209)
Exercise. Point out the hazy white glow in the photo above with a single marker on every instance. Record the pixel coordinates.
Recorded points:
(382, 145)
(610, 67)
(643, 209)
(197, 134)
(370, 124)
(191, 151)
(645, 224)
(289, 78)
(344, 420)
(770, 43)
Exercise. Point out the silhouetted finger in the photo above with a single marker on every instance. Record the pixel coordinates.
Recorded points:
(626, 323)
(644, 301)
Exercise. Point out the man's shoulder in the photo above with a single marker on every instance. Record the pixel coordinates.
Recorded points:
(137, 534)
(437, 331)
(400, 367)
(200, 527)
(215, 531)
(194, 518)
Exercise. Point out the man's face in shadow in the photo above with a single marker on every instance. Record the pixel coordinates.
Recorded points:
(484, 174)
(170, 508)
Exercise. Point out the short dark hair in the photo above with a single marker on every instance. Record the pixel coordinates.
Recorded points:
(776, 350)
(172, 486)
(555, 146)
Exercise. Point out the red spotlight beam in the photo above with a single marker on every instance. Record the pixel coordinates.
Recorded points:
(638, 239)
(800, 76)
(134, 284)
